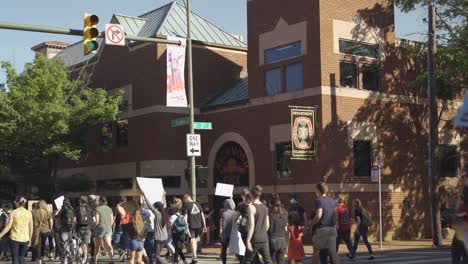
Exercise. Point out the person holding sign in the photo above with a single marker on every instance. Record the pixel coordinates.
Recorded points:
(160, 228)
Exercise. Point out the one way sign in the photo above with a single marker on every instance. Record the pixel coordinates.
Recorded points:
(193, 145)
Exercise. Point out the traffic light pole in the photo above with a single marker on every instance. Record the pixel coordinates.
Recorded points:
(193, 182)
(76, 32)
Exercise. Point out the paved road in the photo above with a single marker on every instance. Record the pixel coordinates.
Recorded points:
(414, 256)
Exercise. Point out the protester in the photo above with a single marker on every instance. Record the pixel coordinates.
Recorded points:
(43, 223)
(5, 241)
(295, 247)
(227, 221)
(172, 210)
(325, 237)
(160, 223)
(278, 226)
(196, 223)
(138, 230)
(67, 222)
(20, 227)
(149, 240)
(344, 227)
(56, 235)
(84, 220)
(119, 238)
(363, 222)
(242, 223)
(104, 220)
(257, 235)
(179, 230)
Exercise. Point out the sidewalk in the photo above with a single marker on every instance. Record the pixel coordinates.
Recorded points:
(387, 246)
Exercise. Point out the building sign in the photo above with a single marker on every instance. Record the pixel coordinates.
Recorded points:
(231, 165)
(303, 132)
(176, 96)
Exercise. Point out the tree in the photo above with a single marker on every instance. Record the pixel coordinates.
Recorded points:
(44, 117)
(452, 34)
(451, 69)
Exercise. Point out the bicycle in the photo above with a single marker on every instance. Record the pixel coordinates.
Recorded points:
(72, 252)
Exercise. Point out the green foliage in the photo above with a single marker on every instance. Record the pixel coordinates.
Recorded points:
(452, 35)
(44, 114)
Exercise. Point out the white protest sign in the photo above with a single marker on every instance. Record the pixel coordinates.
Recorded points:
(225, 190)
(59, 202)
(152, 188)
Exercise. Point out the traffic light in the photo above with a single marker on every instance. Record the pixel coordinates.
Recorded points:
(90, 32)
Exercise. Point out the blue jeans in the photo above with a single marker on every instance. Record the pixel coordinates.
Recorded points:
(5, 246)
(346, 237)
(149, 245)
(18, 251)
(363, 231)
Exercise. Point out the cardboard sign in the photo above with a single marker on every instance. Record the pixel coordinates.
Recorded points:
(152, 188)
(59, 202)
(225, 190)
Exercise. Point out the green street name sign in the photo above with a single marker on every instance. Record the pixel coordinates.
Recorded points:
(203, 125)
(180, 121)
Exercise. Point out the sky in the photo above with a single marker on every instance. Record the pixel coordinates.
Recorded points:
(230, 15)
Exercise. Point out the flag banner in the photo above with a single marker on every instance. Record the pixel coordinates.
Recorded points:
(176, 96)
(303, 133)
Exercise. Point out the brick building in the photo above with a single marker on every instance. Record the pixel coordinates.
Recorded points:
(341, 57)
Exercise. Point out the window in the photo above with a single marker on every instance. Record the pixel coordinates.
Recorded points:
(273, 82)
(106, 137)
(114, 184)
(359, 49)
(370, 77)
(283, 160)
(348, 74)
(447, 157)
(294, 77)
(122, 133)
(362, 158)
(170, 181)
(287, 51)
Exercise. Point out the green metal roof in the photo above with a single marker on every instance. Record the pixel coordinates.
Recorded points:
(233, 95)
(167, 20)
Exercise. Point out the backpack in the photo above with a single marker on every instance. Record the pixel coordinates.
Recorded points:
(180, 225)
(67, 216)
(83, 216)
(366, 218)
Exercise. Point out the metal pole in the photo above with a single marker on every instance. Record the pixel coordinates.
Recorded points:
(75, 32)
(380, 207)
(193, 183)
(433, 133)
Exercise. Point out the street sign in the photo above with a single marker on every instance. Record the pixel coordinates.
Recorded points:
(379, 162)
(180, 121)
(193, 145)
(203, 125)
(375, 174)
(115, 35)
(462, 117)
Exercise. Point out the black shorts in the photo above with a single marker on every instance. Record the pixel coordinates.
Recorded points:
(195, 232)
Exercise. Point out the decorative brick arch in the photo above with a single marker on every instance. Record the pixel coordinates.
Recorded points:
(218, 144)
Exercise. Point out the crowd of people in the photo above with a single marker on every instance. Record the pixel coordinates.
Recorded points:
(137, 231)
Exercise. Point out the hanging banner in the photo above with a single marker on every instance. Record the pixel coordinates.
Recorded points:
(176, 96)
(303, 132)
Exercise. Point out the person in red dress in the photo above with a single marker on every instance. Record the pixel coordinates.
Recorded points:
(295, 248)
